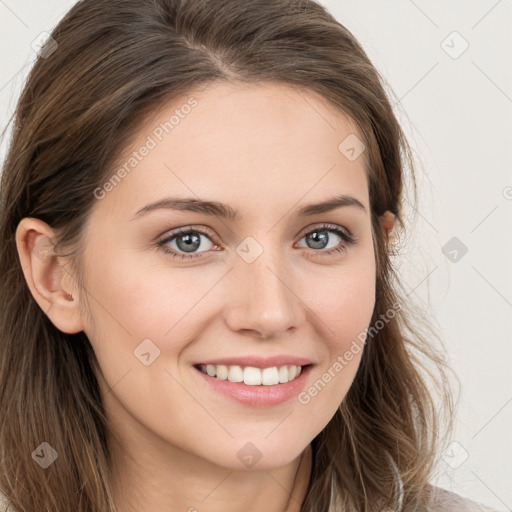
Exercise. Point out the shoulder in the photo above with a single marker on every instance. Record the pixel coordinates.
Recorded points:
(442, 500)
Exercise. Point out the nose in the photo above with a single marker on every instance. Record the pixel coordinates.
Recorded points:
(262, 300)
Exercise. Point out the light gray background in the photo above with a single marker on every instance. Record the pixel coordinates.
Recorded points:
(457, 113)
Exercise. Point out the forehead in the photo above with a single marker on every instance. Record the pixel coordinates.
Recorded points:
(266, 142)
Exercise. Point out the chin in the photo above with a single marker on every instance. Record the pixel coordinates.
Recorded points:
(259, 454)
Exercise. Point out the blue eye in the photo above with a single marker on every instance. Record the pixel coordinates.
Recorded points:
(187, 241)
(320, 238)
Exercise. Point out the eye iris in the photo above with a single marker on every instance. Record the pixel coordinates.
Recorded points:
(191, 242)
(319, 235)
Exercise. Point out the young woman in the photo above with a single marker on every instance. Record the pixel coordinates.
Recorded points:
(199, 307)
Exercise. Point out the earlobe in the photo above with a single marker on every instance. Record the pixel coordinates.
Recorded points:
(47, 277)
(387, 222)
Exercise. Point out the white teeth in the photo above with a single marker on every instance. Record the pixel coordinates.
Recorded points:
(270, 376)
(221, 371)
(235, 374)
(252, 376)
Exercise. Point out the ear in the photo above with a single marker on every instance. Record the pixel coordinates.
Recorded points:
(47, 275)
(387, 223)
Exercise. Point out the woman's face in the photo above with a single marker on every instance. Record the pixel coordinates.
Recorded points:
(264, 289)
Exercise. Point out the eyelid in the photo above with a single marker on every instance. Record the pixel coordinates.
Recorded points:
(191, 228)
(344, 233)
(210, 232)
(326, 226)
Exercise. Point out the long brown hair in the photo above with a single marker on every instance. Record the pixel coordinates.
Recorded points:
(114, 63)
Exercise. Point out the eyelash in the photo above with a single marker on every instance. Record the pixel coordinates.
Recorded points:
(345, 236)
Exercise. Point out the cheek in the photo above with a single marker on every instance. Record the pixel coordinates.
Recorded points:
(345, 307)
(129, 304)
(345, 301)
(142, 299)
(140, 308)
(142, 314)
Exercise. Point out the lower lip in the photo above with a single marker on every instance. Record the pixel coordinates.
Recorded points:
(258, 396)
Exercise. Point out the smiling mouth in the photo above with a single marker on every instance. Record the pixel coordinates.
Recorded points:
(251, 375)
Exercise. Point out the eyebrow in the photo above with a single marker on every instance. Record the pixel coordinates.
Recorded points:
(222, 210)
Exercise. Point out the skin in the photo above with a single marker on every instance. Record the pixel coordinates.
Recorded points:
(265, 150)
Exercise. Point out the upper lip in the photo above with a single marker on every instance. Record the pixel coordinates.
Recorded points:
(259, 361)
